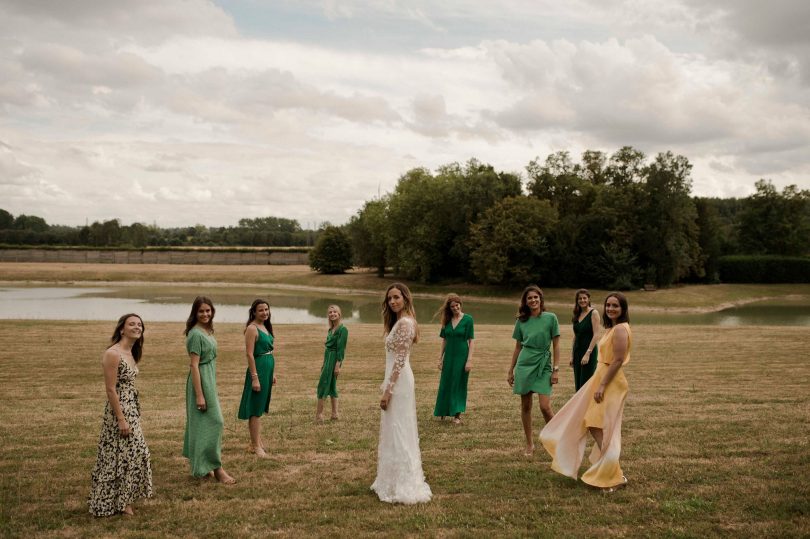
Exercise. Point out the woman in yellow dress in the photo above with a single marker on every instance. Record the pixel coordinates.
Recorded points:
(596, 408)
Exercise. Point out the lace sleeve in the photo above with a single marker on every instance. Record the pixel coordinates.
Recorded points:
(401, 341)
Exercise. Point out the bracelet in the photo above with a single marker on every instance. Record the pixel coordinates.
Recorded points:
(254, 375)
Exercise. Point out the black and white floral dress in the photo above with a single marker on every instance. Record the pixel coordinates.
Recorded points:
(123, 472)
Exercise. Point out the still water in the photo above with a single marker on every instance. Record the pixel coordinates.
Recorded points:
(172, 303)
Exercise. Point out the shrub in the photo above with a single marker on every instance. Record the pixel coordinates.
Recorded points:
(332, 252)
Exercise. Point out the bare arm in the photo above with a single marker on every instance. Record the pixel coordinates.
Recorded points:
(619, 353)
(596, 327)
(109, 364)
(196, 381)
(250, 344)
(441, 354)
(555, 358)
(470, 344)
(511, 376)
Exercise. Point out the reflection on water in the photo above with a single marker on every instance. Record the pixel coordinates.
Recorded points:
(172, 304)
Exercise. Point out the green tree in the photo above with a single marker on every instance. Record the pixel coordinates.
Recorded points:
(332, 252)
(668, 236)
(369, 235)
(6, 220)
(776, 223)
(30, 222)
(509, 243)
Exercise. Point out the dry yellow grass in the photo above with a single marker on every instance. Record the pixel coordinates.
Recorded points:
(715, 441)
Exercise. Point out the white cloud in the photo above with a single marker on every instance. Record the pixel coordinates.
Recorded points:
(165, 111)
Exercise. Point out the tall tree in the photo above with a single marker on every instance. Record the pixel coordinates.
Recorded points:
(509, 244)
(776, 223)
(369, 235)
(668, 238)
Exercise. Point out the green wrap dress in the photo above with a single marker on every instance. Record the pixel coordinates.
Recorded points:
(534, 363)
(452, 396)
(334, 352)
(583, 333)
(202, 444)
(257, 403)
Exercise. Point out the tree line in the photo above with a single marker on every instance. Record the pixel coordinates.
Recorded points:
(260, 231)
(614, 221)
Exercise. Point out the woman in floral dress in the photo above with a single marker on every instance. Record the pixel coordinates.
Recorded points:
(123, 472)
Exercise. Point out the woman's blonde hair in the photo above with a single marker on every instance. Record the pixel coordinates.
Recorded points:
(337, 322)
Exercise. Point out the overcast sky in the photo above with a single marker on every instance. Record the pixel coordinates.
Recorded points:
(180, 112)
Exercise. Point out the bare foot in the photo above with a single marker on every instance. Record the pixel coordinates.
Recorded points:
(334, 418)
(319, 419)
(223, 477)
(529, 451)
(128, 511)
(260, 452)
(456, 421)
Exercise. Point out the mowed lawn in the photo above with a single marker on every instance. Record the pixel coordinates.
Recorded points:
(715, 440)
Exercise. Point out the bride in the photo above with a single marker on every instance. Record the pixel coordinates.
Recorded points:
(399, 463)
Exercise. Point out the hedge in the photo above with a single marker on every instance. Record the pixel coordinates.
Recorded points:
(764, 269)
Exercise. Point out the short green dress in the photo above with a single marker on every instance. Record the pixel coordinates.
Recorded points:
(256, 403)
(534, 363)
(583, 333)
(334, 352)
(202, 444)
(452, 396)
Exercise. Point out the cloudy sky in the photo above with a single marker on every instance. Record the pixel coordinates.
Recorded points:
(180, 112)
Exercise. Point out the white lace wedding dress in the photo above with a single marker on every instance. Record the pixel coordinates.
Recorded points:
(399, 462)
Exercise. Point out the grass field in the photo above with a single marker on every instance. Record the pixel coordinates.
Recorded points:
(715, 441)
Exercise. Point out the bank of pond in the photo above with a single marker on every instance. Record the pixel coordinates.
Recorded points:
(170, 304)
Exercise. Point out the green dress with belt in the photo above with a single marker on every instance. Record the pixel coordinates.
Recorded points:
(334, 352)
(256, 403)
(452, 396)
(202, 443)
(583, 333)
(534, 363)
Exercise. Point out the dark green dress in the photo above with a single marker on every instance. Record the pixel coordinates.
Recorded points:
(202, 443)
(256, 403)
(534, 363)
(583, 333)
(452, 396)
(335, 350)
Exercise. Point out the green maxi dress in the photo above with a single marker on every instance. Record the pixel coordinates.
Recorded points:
(256, 403)
(334, 352)
(533, 367)
(452, 396)
(202, 444)
(583, 333)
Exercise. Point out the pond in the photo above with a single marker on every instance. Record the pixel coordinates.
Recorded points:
(166, 303)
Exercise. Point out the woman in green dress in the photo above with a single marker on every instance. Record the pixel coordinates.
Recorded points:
(584, 353)
(260, 375)
(534, 369)
(333, 355)
(455, 359)
(202, 443)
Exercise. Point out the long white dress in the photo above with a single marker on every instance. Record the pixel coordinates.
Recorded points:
(400, 478)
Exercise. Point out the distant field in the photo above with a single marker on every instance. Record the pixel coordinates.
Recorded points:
(715, 442)
(682, 298)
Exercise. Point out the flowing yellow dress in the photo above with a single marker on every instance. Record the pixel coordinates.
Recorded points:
(565, 435)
